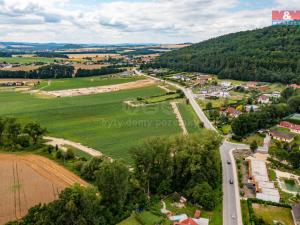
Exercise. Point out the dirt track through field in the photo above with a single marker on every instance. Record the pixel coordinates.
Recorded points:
(100, 89)
(27, 180)
(179, 118)
(60, 142)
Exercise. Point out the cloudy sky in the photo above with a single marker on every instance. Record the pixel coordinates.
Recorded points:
(132, 21)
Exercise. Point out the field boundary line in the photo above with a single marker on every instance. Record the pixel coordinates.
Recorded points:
(179, 117)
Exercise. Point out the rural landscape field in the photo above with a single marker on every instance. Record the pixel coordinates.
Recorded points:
(149, 112)
(27, 180)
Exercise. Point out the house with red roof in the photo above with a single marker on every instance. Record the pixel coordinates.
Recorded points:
(295, 86)
(281, 136)
(232, 112)
(295, 128)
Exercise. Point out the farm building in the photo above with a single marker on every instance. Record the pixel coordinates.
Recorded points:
(295, 128)
(296, 213)
(258, 177)
(280, 136)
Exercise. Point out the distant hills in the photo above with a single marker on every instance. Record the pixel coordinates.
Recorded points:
(271, 54)
(26, 46)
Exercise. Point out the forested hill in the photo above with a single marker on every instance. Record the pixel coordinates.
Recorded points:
(270, 54)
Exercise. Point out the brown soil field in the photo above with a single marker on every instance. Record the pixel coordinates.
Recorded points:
(89, 67)
(22, 68)
(27, 180)
(100, 89)
(5, 80)
(94, 56)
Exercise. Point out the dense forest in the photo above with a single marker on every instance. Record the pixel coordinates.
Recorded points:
(44, 72)
(270, 54)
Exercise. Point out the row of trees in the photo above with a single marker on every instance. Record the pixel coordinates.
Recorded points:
(98, 72)
(14, 136)
(51, 55)
(269, 115)
(189, 165)
(269, 54)
(44, 72)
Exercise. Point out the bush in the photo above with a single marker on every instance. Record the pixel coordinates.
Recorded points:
(78, 165)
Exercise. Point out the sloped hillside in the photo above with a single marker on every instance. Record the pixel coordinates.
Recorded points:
(270, 54)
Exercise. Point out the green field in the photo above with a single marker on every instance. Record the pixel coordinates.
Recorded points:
(71, 83)
(102, 121)
(24, 60)
(191, 121)
(130, 221)
(271, 213)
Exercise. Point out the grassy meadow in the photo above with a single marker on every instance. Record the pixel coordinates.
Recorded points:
(71, 83)
(102, 121)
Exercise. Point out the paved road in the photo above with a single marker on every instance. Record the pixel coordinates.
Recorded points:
(231, 200)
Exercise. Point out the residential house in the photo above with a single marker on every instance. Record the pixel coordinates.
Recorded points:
(263, 99)
(181, 77)
(232, 112)
(252, 108)
(280, 136)
(295, 86)
(296, 213)
(191, 221)
(202, 79)
(226, 84)
(295, 128)
(251, 84)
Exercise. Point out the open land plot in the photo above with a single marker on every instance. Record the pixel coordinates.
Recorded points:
(101, 121)
(89, 67)
(24, 60)
(273, 213)
(27, 180)
(84, 82)
(100, 89)
(191, 121)
(94, 56)
(22, 68)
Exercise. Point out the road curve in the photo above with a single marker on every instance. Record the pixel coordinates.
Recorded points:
(231, 198)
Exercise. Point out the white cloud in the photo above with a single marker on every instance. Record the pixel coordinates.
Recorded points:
(166, 21)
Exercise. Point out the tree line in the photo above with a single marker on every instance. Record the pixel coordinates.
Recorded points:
(15, 136)
(187, 165)
(270, 54)
(98, 72)
(51, 55)
(54, 71)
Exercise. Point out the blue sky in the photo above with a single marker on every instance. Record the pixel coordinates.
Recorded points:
(132, 21)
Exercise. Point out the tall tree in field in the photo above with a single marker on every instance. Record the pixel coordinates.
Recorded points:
(13, 130)
(154, 166)
(35, 131)
(113, 183)
(2, 128)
